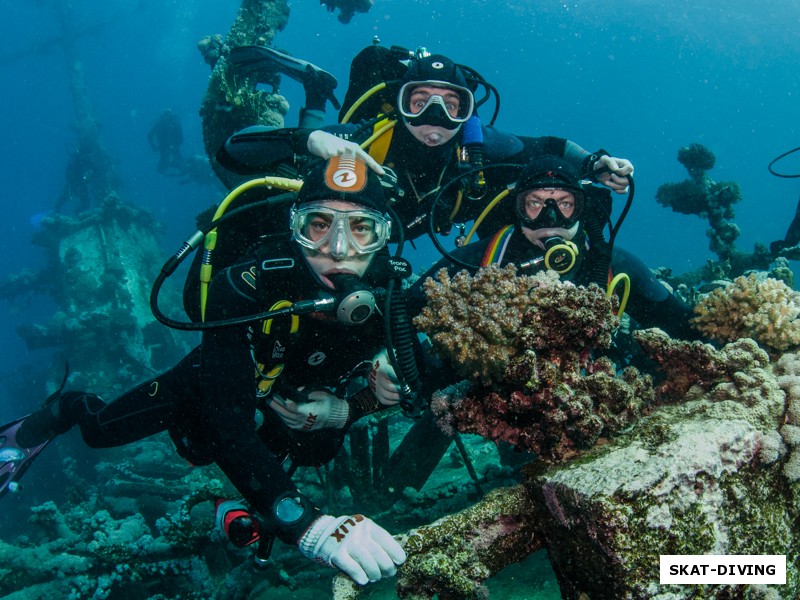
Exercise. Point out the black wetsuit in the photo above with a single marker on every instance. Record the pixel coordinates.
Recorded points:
(422, 170)
(208, 402)
(166, 137)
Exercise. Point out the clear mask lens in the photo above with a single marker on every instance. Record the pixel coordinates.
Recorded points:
(414, 99)
(568, 207)
(363, 231)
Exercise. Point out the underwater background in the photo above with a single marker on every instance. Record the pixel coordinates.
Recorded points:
(639, 78)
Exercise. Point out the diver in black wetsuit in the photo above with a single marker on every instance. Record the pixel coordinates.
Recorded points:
(557, 224)
(252, 395)
(792, 237)
(166, 137)
(433, 108)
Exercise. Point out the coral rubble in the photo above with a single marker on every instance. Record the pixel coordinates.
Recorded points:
(697, 465)
(528, 340)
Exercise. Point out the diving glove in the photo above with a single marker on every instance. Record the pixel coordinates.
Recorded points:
(355, 544)
(317, 410)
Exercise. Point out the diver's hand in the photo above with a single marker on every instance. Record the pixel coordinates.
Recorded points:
(356, 545)
(326, 145)
(322, 410)
(616, 172)
(383, 380)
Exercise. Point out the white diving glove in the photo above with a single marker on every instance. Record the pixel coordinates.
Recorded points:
(618, 170)
(362, 549)
(322, 410)
(383, 380)
(326, 145)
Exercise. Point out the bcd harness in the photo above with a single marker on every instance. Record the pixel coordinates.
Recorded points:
(272, 339)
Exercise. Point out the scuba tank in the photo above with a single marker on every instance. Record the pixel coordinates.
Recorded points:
(372, 66)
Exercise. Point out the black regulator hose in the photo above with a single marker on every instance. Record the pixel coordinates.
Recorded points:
(598, 272)
(624, 213)
(400, 346)
(400, 338)
(776, 159)
(324, 304)
(189, 246)
(440, 194)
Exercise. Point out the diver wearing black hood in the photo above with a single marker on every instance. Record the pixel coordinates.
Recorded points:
(251, 396)
(436, 118)
(555, 225)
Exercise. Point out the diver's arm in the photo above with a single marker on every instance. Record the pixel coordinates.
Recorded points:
(613, 171)
(327, 145)
(257, 149)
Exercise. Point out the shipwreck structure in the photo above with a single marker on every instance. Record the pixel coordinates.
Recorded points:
(700, 457)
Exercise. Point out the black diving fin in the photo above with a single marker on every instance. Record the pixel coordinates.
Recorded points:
(263, 62)
(14, 460)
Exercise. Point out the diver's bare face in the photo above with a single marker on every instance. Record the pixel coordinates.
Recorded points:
(327, 261)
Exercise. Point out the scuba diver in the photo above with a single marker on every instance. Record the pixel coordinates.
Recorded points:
(77, 185)
(269, 388)
(426, 133)
(558, 223)
(166, 137)
(262, 64)
(88, 177)
(792, 237)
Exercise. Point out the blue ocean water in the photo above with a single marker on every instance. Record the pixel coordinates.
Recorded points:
(640, 78)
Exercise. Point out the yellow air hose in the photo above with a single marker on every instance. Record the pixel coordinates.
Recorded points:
(485, 212)
(282, 183)
(625, 292)
(364, 97)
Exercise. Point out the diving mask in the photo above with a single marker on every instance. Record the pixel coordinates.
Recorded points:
(549, 207)
(365, 231)
(456, 103)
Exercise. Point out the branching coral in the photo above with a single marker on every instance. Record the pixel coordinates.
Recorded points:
(561, 415)
(763, 309)
(547, 395)
(696, 158)
(474, 320)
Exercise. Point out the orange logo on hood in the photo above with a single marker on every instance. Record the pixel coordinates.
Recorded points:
(346, 174)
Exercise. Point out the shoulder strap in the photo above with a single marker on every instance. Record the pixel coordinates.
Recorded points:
(379, 148)
(273, 336)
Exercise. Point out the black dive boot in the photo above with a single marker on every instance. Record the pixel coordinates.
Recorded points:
(262, 62)
(57, 416)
